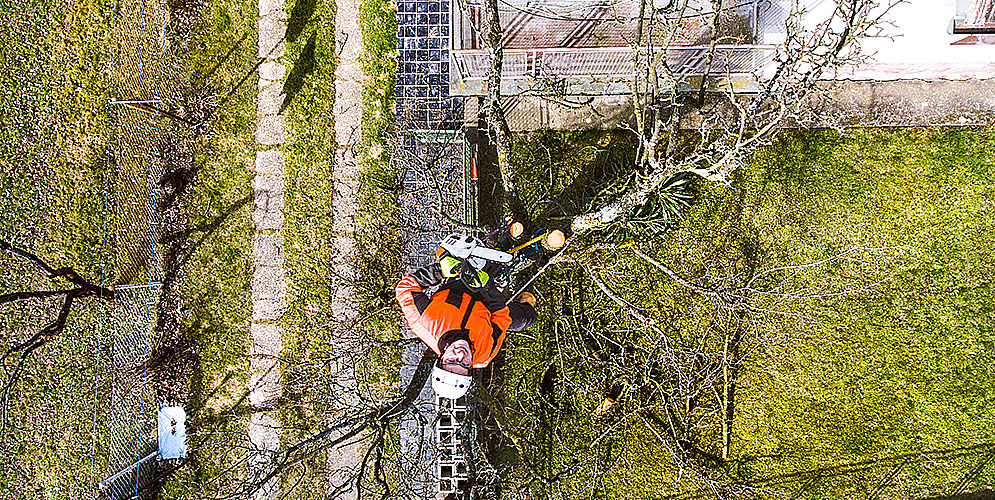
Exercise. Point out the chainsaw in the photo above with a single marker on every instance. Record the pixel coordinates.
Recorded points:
(466, 256)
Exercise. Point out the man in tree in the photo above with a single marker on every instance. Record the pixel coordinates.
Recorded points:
(465, 326)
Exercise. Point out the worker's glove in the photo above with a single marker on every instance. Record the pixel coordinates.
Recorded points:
(474, 279)
(527, 298)
(482, 278)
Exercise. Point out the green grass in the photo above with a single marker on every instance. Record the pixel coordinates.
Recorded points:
(309, 154)
(379, 240)
(881, 391)
(212, 54)
(53, 123)
(379, 243)
(52, 140)
(309, 157)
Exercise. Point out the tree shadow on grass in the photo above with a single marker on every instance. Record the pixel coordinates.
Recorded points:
(609, 169)
(299, 17)
(799, 159)
(801, 483)
(299, 73)
(224, 59)
(576, 175)
(985, 494)
(176, 357)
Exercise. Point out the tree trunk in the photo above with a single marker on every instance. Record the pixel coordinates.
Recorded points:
(497, 125)
(623, 204)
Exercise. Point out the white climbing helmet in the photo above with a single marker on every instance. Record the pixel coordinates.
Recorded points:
(450, 385)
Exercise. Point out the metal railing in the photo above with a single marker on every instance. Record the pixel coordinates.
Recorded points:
(611, 62)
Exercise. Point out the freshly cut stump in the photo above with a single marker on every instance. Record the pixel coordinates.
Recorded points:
(555, 240)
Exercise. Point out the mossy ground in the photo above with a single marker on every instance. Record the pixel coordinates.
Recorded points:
(380, 244)
(906, 368)
(884, 390)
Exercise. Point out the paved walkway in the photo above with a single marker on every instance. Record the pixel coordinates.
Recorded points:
(268, 277)
(343, 461)
(899, 103)
(922, 45)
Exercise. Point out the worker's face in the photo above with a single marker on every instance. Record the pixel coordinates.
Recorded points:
(457, 358)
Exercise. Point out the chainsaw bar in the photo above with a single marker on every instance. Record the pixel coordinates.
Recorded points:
(472, 250)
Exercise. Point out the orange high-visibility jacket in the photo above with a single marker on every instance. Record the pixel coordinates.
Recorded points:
(482, 315)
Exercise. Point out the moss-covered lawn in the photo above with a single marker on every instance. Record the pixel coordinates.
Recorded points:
(906, 369)
(885, 391)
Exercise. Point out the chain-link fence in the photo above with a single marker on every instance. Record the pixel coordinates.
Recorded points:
(136, 129)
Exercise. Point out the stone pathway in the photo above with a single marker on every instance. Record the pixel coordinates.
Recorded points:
(268, 277)
(343, 461)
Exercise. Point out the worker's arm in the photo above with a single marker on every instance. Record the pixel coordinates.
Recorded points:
(410, 292)
(490, 336)
(500, 320)
(494, 300)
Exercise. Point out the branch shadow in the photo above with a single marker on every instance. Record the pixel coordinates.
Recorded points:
(805, 480)
(548, 210)
(490, 192)
(609, 168)
(299, 17)
(207, 76)
(299, 73)
(210, 228)
(985, 494)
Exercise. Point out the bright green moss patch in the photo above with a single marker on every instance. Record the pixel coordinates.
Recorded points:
(906, 368)
(379, 243)
(879, 382)
(379, 240)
